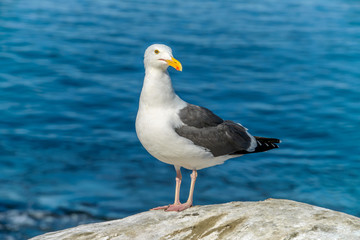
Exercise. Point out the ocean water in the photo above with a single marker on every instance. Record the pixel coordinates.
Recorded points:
(70, 77)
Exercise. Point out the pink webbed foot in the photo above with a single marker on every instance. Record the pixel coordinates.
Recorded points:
(178, 207)
(161, 207)
(174, 207)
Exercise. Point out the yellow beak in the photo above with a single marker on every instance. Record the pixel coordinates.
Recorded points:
(175, 64)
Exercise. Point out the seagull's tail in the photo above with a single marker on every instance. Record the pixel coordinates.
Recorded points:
(265, 144)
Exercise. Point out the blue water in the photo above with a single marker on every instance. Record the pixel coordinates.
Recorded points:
(71, 73)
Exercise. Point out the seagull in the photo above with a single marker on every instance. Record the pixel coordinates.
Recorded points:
(183, 134)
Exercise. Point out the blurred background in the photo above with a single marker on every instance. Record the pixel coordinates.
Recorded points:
(71, 73)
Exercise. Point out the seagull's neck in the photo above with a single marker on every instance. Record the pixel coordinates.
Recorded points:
(157, 90)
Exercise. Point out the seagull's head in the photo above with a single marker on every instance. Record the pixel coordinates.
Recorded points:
(160, 56)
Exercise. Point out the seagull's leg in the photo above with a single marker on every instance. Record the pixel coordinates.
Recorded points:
(192, 187)
(181, 207)
(178, 184)
(177, 190)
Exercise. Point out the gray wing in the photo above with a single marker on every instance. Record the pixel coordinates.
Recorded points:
(199, 117)
(207, 130)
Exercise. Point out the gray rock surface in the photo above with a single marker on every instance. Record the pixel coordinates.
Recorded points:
(270, 219)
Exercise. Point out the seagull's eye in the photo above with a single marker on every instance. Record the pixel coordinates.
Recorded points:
(156, 51)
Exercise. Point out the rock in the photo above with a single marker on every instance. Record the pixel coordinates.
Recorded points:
(272, 219)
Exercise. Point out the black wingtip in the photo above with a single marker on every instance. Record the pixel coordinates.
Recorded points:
(268, 140)
(265, 144)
